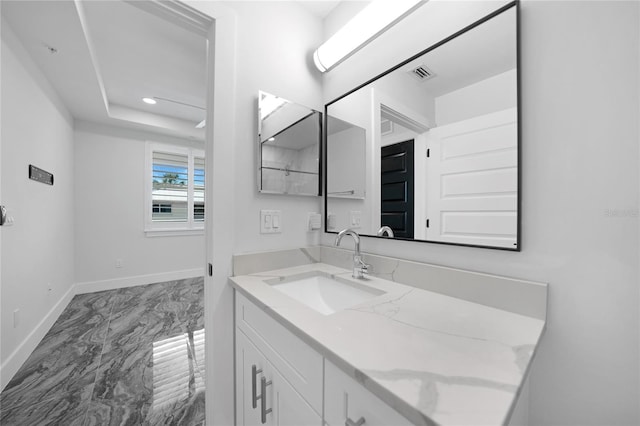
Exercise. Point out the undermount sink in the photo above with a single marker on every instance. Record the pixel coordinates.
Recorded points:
(323, 292)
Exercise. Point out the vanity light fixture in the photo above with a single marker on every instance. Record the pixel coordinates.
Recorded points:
(372, 21)
(149, 101)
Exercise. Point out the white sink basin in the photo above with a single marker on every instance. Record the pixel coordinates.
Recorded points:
(324, 293)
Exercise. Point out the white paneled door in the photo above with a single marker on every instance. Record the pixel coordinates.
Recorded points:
(472, 181)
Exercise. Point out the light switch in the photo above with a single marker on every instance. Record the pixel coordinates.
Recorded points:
(265, 221)
(270, 221)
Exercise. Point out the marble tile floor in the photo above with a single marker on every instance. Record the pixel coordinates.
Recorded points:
(133, 356)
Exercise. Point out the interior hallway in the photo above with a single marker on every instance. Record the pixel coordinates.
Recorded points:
(128, 356)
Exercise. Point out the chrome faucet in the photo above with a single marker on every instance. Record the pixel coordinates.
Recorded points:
(359, 267)
(387, 230)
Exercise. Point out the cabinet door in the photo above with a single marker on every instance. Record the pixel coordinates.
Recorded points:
(345, 399)
(247, 385)
(288, 407)
(281, 404)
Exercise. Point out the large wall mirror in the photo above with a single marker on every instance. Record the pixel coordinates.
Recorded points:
(430, 149)
(289, 138)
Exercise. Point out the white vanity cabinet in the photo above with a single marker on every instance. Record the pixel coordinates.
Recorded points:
(346, 402)
(281, 376)
(382, 358)
(251, 366)
(278, 376)
(264, 396)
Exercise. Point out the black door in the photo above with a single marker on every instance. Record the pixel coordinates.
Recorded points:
(397, 188)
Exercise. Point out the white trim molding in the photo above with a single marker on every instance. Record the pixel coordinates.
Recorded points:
(12, 364)
(116, 283)
(10, 367)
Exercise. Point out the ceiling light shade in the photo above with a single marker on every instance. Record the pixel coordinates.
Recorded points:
(372, 21)
(149, 101)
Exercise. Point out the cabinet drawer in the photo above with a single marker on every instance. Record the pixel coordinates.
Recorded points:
(296, 361)
(345, 398)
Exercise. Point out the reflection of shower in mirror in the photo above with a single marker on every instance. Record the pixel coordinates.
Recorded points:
(288, 147)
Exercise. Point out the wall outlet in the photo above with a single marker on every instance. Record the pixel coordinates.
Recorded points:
(314, 221)
(16, 318)
(356, 218)
(119, 263)
(332, 220)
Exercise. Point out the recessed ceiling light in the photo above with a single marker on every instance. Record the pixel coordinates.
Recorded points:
(271, 139)
(149, 101)
(51, 49)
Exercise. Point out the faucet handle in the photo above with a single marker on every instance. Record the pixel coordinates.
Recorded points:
(361, 266)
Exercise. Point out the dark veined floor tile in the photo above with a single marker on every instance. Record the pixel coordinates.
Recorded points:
(64, 369)
(124, 357)
(66, 409)
(148, 384)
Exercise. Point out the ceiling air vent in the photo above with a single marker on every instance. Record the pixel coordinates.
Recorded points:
(422, 73)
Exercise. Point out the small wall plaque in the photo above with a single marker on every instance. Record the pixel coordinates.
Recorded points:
(40, 175)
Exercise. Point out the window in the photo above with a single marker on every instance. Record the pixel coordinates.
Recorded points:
(161, 208)
(175, 186)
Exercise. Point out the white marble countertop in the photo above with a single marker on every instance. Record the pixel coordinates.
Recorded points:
(436, 359)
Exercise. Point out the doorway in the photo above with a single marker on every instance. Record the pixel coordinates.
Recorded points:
(397, 188)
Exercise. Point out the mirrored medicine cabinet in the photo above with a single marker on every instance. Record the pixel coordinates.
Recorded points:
(289, 139)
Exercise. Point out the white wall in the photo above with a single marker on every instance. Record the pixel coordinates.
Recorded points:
(258, 45)
(493, 94)
(346, 152)
(109, 209)
(580, 189)
(38, 249)
(275, 41)
(407, 93)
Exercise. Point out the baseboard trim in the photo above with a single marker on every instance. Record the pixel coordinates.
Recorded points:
(13, 363)
(112, 284)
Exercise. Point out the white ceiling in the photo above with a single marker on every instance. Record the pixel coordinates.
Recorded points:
(302, 135)
(112, 53)
(319, 8)
(482, 52)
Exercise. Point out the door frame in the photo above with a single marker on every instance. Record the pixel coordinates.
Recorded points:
(219, 22)
(385, 103)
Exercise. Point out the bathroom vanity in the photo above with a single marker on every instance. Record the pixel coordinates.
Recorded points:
(410, 344)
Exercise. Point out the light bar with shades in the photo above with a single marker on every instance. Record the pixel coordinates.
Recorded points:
(373, 20)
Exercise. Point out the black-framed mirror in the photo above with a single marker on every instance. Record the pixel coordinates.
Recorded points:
(289, 142)
(439, 150)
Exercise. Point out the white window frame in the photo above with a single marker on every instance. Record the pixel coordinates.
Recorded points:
(158, 228)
